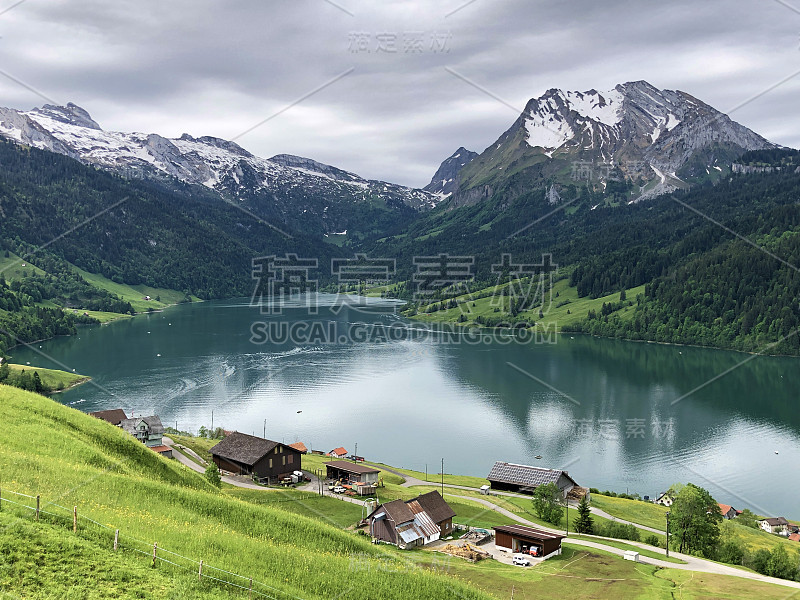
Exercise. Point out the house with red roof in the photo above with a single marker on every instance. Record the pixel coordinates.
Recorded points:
(300, 447)
(338, 452)
(728, 512)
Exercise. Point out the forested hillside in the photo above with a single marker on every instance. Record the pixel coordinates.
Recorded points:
(705, 285)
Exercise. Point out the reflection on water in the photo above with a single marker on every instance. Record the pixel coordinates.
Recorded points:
(415, 401)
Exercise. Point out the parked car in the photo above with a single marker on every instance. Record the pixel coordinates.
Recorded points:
(520, 560)
(338, 490)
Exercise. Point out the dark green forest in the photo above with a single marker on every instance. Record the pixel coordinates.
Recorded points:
(705, 284)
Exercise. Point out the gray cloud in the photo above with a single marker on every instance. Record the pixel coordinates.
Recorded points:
(214, 68)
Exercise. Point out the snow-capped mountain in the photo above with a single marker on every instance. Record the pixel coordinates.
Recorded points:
(659, 139)
(443, 182)
(286, 187)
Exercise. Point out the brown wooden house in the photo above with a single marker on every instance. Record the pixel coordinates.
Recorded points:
(412, 523)
(244, 454)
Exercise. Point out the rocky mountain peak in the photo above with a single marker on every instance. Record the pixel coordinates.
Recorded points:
(71, 114)
(444, 181)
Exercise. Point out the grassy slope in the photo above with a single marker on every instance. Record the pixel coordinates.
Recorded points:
(12, 268)
(644, 513)
(72, 459)
(49, 562)
(135, 293)
(652, 515)
(52, 378)
(554, 318)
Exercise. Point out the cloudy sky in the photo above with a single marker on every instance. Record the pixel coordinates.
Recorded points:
(388, 89)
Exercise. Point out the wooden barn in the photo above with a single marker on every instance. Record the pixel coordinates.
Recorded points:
(412, 523)
(510, 477)
(244, 454)
(527, 540)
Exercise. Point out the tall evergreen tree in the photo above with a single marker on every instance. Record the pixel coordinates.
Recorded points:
(584, 523)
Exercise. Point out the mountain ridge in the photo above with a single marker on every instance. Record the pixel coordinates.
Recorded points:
(655, 140)
(296, 191)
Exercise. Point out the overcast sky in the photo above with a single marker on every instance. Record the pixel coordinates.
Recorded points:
(384, 104)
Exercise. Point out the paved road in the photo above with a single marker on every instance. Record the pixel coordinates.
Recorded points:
(183, 459)
(310, 487)
(413, 481)
(692, 562)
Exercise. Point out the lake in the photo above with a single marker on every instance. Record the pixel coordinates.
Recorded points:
(617, 415)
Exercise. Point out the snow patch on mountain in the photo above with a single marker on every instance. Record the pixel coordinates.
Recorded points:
(215, 163)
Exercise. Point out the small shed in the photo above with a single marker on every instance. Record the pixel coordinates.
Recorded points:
(164, 451)
(352, 472)
(631, 555)
(527, 540)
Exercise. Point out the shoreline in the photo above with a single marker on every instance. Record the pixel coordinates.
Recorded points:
(559, 331)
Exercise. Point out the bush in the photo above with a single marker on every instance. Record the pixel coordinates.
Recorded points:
(652, 540)
(213, 476)
(621, 531)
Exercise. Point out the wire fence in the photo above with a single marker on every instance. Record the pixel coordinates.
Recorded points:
(113, 538)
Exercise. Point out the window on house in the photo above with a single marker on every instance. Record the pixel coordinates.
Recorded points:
(284, 461)
(270, 463)
(290, 459)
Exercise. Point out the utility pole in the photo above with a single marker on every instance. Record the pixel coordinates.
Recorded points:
(265, 429)
(442, 477)
(426, 471)
(355, 454)
(667, 534)
(566, 532)
(212, 420)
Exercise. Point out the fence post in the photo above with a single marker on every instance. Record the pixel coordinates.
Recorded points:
(250, 593)
(74, 519)
(116, 540)
(155, 549)
(200, 572)
(37, 507)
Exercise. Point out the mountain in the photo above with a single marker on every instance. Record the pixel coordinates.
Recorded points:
(288, 191)
(443, 182)
(645, 140)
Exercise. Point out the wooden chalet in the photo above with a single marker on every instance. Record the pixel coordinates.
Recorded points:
(412, 523)
(266, 460)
